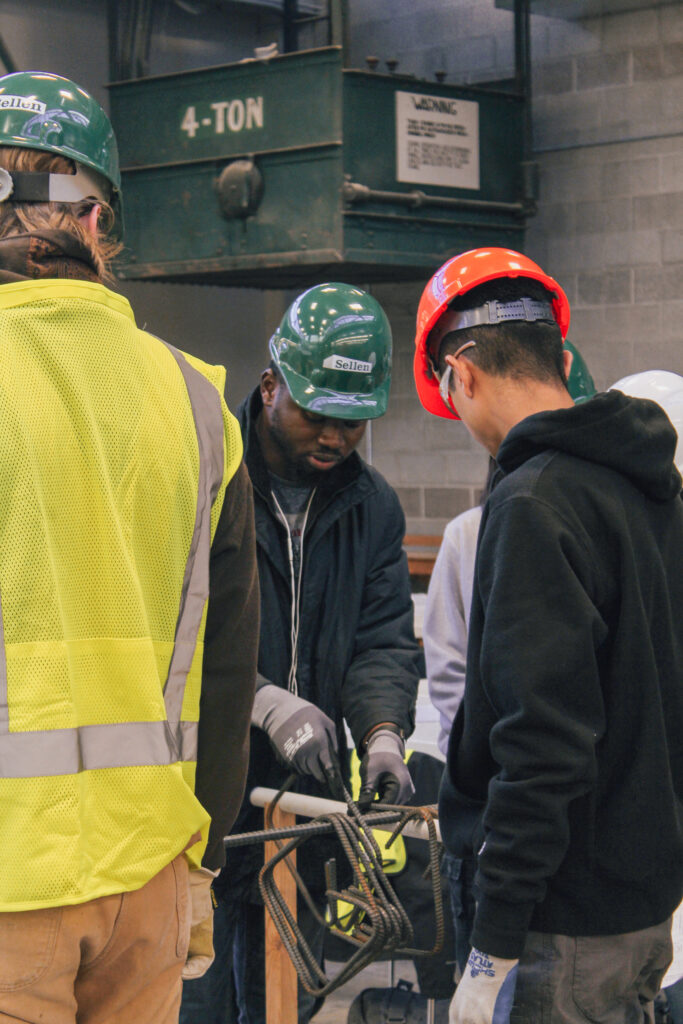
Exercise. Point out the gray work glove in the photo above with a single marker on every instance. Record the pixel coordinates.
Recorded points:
(384, 771)
(302, 735)
(485, 992)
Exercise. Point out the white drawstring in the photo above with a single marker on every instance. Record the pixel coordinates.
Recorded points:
(292, 684)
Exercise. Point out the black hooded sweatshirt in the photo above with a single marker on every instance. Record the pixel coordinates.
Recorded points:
(565, 764)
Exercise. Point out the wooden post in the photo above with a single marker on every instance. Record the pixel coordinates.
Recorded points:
(281, 978)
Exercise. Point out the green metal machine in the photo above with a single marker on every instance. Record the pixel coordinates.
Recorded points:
(273, 173)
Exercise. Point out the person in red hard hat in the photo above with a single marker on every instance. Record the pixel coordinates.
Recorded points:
(564, 772)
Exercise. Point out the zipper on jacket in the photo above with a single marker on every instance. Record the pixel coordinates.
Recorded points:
(295, 588)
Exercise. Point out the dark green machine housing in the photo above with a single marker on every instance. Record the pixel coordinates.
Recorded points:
(288, 171)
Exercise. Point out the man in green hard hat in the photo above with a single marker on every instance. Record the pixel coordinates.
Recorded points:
(337, 641)
(128, 598)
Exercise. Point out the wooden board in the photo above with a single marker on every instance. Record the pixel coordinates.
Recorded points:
(281, 979)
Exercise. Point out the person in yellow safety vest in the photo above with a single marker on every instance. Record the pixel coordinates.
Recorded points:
(128, 599)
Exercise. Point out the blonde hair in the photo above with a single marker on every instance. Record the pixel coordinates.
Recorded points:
(22, 218)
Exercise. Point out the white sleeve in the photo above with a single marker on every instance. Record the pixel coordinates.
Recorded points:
(447, 612)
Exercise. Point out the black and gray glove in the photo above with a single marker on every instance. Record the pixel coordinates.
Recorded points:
(303, 736)
(384, 771)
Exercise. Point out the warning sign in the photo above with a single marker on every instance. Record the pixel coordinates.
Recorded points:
(437, 140)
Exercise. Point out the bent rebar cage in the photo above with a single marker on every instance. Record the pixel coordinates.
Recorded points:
(378, 923)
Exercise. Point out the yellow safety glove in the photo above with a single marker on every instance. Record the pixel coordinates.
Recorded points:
(200, 950)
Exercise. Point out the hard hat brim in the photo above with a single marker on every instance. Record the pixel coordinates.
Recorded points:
(335, 404)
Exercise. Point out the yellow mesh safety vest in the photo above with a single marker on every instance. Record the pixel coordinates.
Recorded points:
(115, 452)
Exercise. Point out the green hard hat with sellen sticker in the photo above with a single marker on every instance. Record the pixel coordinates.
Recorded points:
(39, 110)
(333, 349)
(579, 382)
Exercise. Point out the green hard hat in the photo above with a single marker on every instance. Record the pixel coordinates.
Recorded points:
(39, 110)
(579, 383)
(333, 348)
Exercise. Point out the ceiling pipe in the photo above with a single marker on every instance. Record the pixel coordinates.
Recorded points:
(529, 166)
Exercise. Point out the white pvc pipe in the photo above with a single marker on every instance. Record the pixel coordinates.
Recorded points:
(314, 806)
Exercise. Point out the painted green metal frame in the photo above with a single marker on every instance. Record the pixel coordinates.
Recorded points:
(314, 131)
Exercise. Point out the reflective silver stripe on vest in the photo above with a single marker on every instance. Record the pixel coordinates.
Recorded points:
(68, 751)
(134, 744)
(208, 418)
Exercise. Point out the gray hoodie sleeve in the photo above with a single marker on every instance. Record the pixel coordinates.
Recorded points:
(447, 613)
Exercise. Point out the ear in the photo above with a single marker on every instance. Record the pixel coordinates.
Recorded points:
(268, 387)
(568, 358)
(463, 372)
(89, 219)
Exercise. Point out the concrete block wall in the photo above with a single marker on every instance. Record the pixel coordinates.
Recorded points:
(610, 147)
(608, 137)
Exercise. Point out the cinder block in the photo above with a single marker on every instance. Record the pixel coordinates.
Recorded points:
(421, 468)
(665, 353)
(387, 462)
(672, 59)
(611, 361)
(446, 501)
(660, 211)
(627, 111)
(658, 284)
(464, 467)
(671, 22)
(672, 98)
(411, 499)
(602, 69)
(568, 118)
(629, 176)
(473, 54)
(505, 59)
(632, 324)
(609, 286)
(402, 380)
(629, 28)
(672, 246)
(671, 171)
(604, 215)
(485, 18)
(553, 77)
(647, 63)
(434, 469)
(671, 320)
(569, 37)
(446, 435)
(402, 428)
(433, 527)
(578, 254)
(571, 177)
(632, 247)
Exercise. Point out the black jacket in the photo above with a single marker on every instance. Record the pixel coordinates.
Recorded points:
(565, 764)
(357, 655)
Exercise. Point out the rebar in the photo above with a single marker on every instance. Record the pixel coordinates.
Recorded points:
(378, 922)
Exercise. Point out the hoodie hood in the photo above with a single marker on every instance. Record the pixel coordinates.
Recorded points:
(48, 253)
(633, 436)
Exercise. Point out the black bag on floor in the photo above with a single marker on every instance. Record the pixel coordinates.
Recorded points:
(399, 1005)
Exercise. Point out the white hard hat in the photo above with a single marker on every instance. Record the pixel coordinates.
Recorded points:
(663, 387)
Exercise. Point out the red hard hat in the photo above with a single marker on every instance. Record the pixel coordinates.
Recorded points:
(458, 276)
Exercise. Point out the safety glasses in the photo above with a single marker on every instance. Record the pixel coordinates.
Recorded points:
(445, 378)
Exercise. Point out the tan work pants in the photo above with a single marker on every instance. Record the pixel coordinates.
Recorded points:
(115, 960)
